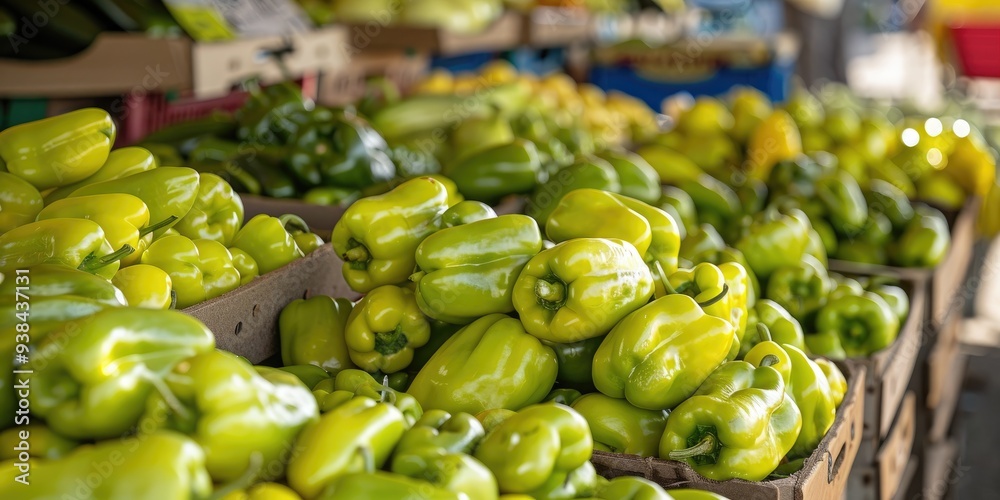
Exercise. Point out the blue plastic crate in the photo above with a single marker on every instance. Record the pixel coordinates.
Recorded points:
(773, 80)
(464, 62)
(537, 61)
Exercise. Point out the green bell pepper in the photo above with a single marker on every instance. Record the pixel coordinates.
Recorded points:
(121, 162)
(166, 191)
(352, 383)
(878, 230)
(37, 441)
(720, 290)
(924, 242)
(836, 379)
(541, 441)
(466, 212)
(233, 411)
(592, 213)
(313, 331)
(343, 149)
(305, 239)
(585, 172)
(775, 239)
(383, 329)
(265, 239)
(245, 264)
(357, 436)
(440, 333)
(93, 375)
(580, 288)
(783, 328)
(310, 375)
(576, 362)
(665, 244)
(74, 243)
(683, 210)
(865, 324)
(810, 390)
(381, 484)
(657, 356)
(701, 243)
(844, 202)
(717, 204)
(199, 269)
(576, 483)
(123, 217)
(271, 113)
(162, 465)
(331, 196)
(893, 295)
(263, 491)
(862, 252)
(885, 198)
(563, 396)
(145, 286)
(378, 236)
(738, 424)
(473, 372)
(469, 271)
(801, 289)
(217, 213)
(497, 171)
(435, 450)
(53, 280)
(619, 427)
(631, 488)
(59, 150)
(637, 177)
(20, 202)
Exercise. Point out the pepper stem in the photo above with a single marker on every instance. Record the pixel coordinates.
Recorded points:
(159, 225)
(713, 300)
(388, 343)
(92, 263)
(357, 257)
(415, 277)
(173, 299)
(294, 224)
(243, 482)
(663, 278)
(704, 447)
(764, 332)
(769, 360)
(551, 295)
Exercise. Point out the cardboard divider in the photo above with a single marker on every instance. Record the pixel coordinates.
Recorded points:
(245, 320)
(503, 34)
(546, 27)
(890, 370)
(823, 475)
(894, 455)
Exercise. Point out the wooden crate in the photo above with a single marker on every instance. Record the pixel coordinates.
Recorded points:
(890, 370)
(245, 320)
(884, 476)
(823, 476)
(503, 34)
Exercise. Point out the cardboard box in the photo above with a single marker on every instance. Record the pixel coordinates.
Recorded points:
(245, 320)
(503, 34)
(348, 84)
(133, 63)
(947, 279)
(546, 27)
(883, 478)
(823, 476)
(889, 370)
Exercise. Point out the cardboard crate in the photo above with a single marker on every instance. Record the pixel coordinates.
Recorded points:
(947, 279)
(547, 27)
(245, 320)
(823, 476)
(348, 85)
(880, 475)
(503, 34)
(135, 64)
(890, 370)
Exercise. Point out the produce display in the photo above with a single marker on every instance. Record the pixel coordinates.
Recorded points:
(531, 288)
(165, 235)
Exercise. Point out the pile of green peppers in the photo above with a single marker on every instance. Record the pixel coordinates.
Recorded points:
(165, 236)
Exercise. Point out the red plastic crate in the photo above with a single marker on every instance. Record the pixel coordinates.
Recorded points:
(978, 48)
(144, 115)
